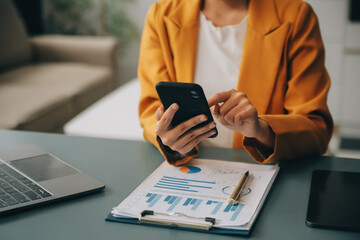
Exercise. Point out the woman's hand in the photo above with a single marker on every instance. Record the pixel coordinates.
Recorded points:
(181, 138)
(238, 114)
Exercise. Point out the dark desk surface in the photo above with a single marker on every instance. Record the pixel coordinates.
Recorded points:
(123, 165)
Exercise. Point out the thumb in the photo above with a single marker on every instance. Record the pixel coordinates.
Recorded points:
(159, 112)
(216, 113)
(215, 110)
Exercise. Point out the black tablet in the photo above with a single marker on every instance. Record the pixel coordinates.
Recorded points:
(334, 200)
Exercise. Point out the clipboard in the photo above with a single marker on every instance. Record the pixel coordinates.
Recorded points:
(206, 227)
(195, 200)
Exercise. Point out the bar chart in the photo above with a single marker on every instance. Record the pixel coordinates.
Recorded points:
(153, 198)
(199, 191)
(235, 209)
(183, 184)
(194, 205)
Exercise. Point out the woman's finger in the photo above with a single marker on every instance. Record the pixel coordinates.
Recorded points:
(190, 145)
(236, 99)
(219, 97)
(166, 118)
(163, 124)
(215, 112)
(159, 112)
(188, 124)
(192, 134)
(248, 114)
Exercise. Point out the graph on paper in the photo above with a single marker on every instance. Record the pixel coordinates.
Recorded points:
(178, 203)
(201, 189)
(183, 184)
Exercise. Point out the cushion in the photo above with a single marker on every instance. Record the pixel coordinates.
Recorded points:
(44, 96)
(106, 118)
(15, 47)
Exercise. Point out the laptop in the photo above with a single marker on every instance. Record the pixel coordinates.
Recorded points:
(31, 176)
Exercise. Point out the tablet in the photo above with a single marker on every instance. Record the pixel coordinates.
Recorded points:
(334, 200)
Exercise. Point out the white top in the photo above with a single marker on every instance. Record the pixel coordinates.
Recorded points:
(219, 54)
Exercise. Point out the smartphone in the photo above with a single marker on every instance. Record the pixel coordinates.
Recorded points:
(191, 100)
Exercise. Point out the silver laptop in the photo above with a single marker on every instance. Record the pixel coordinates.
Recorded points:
(29, 176)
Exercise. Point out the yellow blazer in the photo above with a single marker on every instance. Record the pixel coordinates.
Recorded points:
(282, 71)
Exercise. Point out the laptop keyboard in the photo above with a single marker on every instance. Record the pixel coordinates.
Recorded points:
(15, 188)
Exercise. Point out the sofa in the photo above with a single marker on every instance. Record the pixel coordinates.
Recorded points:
(47, 80)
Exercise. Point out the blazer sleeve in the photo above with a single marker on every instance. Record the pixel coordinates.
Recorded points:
(155, 64)
(306, 127)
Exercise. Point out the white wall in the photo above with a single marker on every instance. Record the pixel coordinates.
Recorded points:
(128, 64)
(332, 16)
(342, 45)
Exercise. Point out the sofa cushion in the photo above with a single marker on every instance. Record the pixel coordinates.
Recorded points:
(33, 95)
(15, 48)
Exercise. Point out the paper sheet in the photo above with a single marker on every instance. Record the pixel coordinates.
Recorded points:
(200, 189)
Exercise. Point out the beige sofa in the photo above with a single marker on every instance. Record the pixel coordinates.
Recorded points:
(45, 81)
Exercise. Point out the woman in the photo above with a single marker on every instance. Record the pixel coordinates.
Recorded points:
(270, 51)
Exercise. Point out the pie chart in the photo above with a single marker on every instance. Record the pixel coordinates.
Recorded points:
(190, 169)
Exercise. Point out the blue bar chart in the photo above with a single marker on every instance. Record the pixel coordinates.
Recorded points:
(173, 201)
(183, 184)
(192, 193)
(216, 209)
(179, 204)
(193, 202)
(153, 198)
(236, 209)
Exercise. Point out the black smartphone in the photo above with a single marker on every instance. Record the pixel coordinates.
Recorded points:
(191, 100)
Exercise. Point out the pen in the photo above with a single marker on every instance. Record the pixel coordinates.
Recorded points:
(235, 196)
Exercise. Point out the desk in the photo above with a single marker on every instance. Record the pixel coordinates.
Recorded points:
(123, 165)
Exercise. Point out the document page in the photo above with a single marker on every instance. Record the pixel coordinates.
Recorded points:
(200, 189)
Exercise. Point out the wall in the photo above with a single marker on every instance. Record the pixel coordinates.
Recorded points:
(342, 45)
(128, 64)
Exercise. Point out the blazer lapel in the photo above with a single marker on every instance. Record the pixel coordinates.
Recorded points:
(183, 27)
(263, 52)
